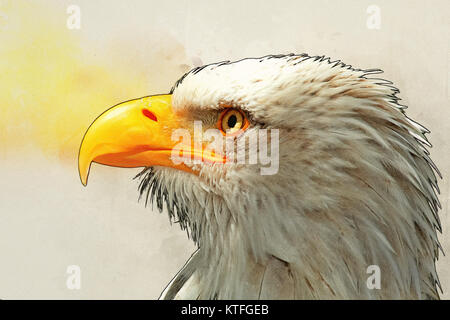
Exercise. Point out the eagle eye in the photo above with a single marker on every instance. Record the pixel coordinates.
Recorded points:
(232, 121)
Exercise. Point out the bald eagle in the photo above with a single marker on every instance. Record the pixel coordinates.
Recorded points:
(355, 186)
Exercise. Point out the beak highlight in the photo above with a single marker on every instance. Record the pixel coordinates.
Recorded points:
(135, 133)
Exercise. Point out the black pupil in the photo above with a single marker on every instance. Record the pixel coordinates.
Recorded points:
(232, 120)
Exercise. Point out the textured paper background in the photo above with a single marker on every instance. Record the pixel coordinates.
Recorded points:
(55, 81)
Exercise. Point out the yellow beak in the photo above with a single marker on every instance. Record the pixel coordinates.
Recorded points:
(135, 133)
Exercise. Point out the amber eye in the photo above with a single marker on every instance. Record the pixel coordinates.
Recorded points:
(231, 121)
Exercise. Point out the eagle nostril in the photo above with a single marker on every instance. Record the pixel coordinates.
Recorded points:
(149, 114)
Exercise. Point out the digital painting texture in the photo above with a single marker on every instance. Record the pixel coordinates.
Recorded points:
(357, 93)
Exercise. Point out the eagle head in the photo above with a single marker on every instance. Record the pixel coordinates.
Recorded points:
(293, 175)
